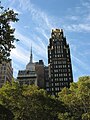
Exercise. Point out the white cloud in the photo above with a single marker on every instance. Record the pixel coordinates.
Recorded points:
(86, 3)
(80, 63)
(19, 55)
(27, 27)
(38, 46)
(38, 15)
(43, 32)
(72, 17)
(77, 27)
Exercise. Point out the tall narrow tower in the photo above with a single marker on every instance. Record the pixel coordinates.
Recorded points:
(59, 61)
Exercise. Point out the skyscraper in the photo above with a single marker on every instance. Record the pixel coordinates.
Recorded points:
(59, 61)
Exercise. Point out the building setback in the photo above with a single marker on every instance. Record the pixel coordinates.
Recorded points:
(59, 63)
(6, 72)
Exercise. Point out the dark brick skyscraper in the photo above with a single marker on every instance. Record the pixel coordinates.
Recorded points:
(59, 61)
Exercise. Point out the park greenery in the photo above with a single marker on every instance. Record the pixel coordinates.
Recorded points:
(31, 103)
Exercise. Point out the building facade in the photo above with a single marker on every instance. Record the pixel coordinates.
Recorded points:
(59, 63)
(46, 78)
(6, 72)
(39, 67)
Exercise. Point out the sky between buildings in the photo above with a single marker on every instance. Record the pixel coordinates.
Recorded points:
(38, 18)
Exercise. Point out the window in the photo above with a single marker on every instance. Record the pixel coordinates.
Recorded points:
(69, 74)
(52, 89)
(50, 60)
(56, 84)
(52, 80)
(49, 52)
(67, 50)
(55, 70)
(47, 84)
(56, 66)
(68, 65)
(47, 89)
(57, 88)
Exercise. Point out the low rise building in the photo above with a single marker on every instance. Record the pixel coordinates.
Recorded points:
(6, 72)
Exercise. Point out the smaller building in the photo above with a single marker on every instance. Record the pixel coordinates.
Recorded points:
(6, 72)
(28, 76)
(39, 67)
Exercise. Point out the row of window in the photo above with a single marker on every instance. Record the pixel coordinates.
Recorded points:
(60, 66)
(50, 60)
(60, 83)
(61, 79)
(59, 75)
(59, 62)
(61, 70)
(28, 82)
(2, 68)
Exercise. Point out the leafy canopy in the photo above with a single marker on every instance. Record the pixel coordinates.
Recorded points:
(29, 102)
(6, 32)
(77, 98)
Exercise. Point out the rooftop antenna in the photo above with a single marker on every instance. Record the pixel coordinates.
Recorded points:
(31, 57)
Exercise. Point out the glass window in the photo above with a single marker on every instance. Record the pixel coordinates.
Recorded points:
(52, 89)
(47, 89)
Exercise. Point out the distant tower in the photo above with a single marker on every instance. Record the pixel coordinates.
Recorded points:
(28, 76)
(59, 61)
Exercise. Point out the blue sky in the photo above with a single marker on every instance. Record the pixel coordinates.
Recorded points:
(38, 18)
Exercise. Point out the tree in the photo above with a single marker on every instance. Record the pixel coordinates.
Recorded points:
(77, 98)
(5, 114)
(29, 102)
(6, 32)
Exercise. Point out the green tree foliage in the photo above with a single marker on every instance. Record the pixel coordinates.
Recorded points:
(5, 114)
(77, 98)
(29, 102)
(6, 32)
(32, 103)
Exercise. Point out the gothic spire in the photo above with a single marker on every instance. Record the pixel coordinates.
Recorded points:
(31, 57)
